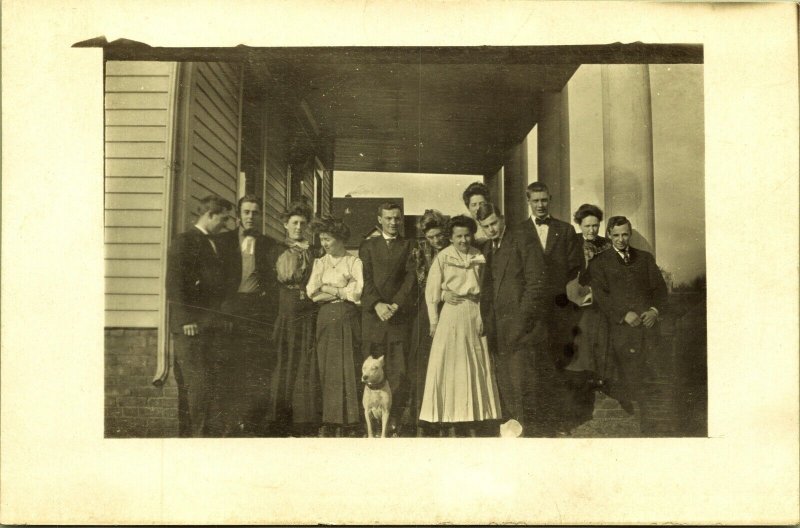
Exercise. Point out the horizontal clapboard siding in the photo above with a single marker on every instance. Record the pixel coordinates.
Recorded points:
(138, 112)
(212, 136)
(277, 165)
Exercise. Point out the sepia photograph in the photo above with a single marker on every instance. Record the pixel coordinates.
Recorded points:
(379, 262)
(405, 242)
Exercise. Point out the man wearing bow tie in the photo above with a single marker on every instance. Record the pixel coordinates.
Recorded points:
(630, 290)
(245, 357)
(387, 301)
(195, 289)
(561, 249)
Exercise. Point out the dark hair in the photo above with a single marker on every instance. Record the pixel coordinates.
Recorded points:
(248, 198)
(388, 206)
(475, 189)
(214, 205)
(431, 219)
(461, 221)
(587, 210)
(486, 210)
(297, 208)
(331, 226)
(615, 221)
(536, 186)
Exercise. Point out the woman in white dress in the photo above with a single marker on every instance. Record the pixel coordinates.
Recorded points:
(460, 386)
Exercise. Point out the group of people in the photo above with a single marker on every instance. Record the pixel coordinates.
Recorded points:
(479, 321)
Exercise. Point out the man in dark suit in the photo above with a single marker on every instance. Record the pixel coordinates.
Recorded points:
(630, 290)
(513, 307)
(195, 289)
(562, 252)
(387, 301)
(246, 356)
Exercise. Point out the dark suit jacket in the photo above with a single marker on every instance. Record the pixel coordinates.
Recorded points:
(195, 284)
(389, 277)
(265, 253)
(514, 294)
(563, 254)
(618, 288)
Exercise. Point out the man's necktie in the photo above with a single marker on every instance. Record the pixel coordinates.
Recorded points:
(248, 245)
(249, 241)
(626, 257)
(542, 221)
(495, 246)
(211, 241)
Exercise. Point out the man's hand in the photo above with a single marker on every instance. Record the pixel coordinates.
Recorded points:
(384, 311)
(632, 319)
(649, 318)
(191, 329)
(451, 298)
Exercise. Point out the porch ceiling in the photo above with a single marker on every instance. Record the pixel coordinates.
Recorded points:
(451, 110)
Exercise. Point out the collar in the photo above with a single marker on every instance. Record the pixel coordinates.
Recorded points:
(387, 237)
(202, 230)
(242, 234)
(298, 244)
(620, 253)
(547, 217)
(379, 386)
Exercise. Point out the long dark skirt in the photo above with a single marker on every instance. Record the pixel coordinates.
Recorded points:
(295, 390)
(338, 344)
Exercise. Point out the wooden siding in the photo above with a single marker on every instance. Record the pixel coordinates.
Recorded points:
(212, 137)
(327, 192)
(276, 165)
(138, 112)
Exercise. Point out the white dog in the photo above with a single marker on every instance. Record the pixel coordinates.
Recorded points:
(377, 394)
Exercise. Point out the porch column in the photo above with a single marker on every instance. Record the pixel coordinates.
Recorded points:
(628, 149)
(553, 151)
(515, 180)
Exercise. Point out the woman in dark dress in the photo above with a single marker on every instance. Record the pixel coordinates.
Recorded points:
(295, 397)
(432, 224)
(336, 283)
(591, 367)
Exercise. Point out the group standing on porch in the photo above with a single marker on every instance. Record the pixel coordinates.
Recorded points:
(483, 320)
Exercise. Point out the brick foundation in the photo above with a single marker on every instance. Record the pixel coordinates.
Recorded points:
(134, 407)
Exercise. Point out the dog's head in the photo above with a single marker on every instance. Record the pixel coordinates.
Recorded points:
(372, 371)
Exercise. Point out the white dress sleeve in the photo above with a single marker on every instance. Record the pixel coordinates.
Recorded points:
(315, 281)
(433, 290)
(352, 292)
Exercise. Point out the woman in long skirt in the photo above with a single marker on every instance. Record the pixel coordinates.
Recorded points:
(432, 225)
(460, 386)
(335, 285)
(294, 403)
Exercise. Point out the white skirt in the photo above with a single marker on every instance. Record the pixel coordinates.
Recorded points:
(460, 385)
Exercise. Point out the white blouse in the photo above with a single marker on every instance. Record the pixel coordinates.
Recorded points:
(345, 272)
(455, 272)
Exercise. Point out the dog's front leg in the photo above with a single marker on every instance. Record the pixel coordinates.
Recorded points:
(369, 423)
(384, 423)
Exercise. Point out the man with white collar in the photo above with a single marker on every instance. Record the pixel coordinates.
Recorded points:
(388, 300)
(562, 252)
(195, 289)
(514, 307)
(630, 290)
(247, 356)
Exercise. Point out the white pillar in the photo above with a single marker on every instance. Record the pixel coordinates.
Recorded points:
(628, 149)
